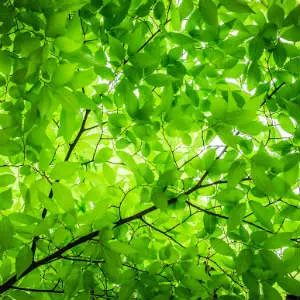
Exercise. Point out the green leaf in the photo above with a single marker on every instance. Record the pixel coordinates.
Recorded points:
(238, 6)
(6, 201)
(180, 39)
(64, 170)
(185, 8)
(72, 282)
(208, 11)
(262, 181)
(275, 14)
(144, 60)
(56, 24)
(116, 49)
(103, 155)
(159, 10)
(66, 44)
(229, 195)
(159, 79)
(285, 122)
(175, 18)
(244, 261)
(270, 293)
(88, 280)
(252, 284)
(290, 285)
(235, 216)
(63, 196)
(23, 260)
(83, 78)
(279, 54)
(160, 200)
(292, 261)
(63, 74)
(7, 179)
(110, 174)
(5, 62)
(236, 173)
(7, 232)
(67, 99)
(292, 34)
(221, 247)
(253, 75)
(210, 223)
(277, 241)
(10, 148)
(293, 66)
(293, 17)
(256, 48)
(260, 214)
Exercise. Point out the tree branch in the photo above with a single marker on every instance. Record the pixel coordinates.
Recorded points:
(36, 290)
(272, 94)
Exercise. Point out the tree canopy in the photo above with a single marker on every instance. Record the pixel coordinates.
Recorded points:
(149, 149)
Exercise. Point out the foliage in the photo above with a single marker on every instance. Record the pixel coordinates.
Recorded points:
(149, 149)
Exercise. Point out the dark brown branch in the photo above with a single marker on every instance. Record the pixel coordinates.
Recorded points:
(80, 132)
(273, 93)
(163, 233)
(82, 259)
(225, 217)
(54, 256)
(37, 290)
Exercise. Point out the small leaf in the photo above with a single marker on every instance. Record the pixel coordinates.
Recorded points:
(221, 247)
(286, 123)
(235, 216)
(210, 223)
(293, 66)
(88, 280)
(10, 148)
(159, 79)
(159, 10)
(6, 180)
(293, 17)
(279, 54)
(116, 49)
(290, 285)
(208, 11)
(160, 199)
(256, 48)
(275, 14)
(6, 233)
(180, 39)
(230, 195)
(236, 173)
(64, 170)
(175, 18)
(185, 8)
(103, 155)
(270, 293)
(71, 284)
(63, 196)
(63, 74)
(253, 75)
(277, 241)
(244, 261)
(238, 6)
(259, 212)
(252, 284)
(66, 44)
(6, 201)
(23, 260)
(292, 34)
